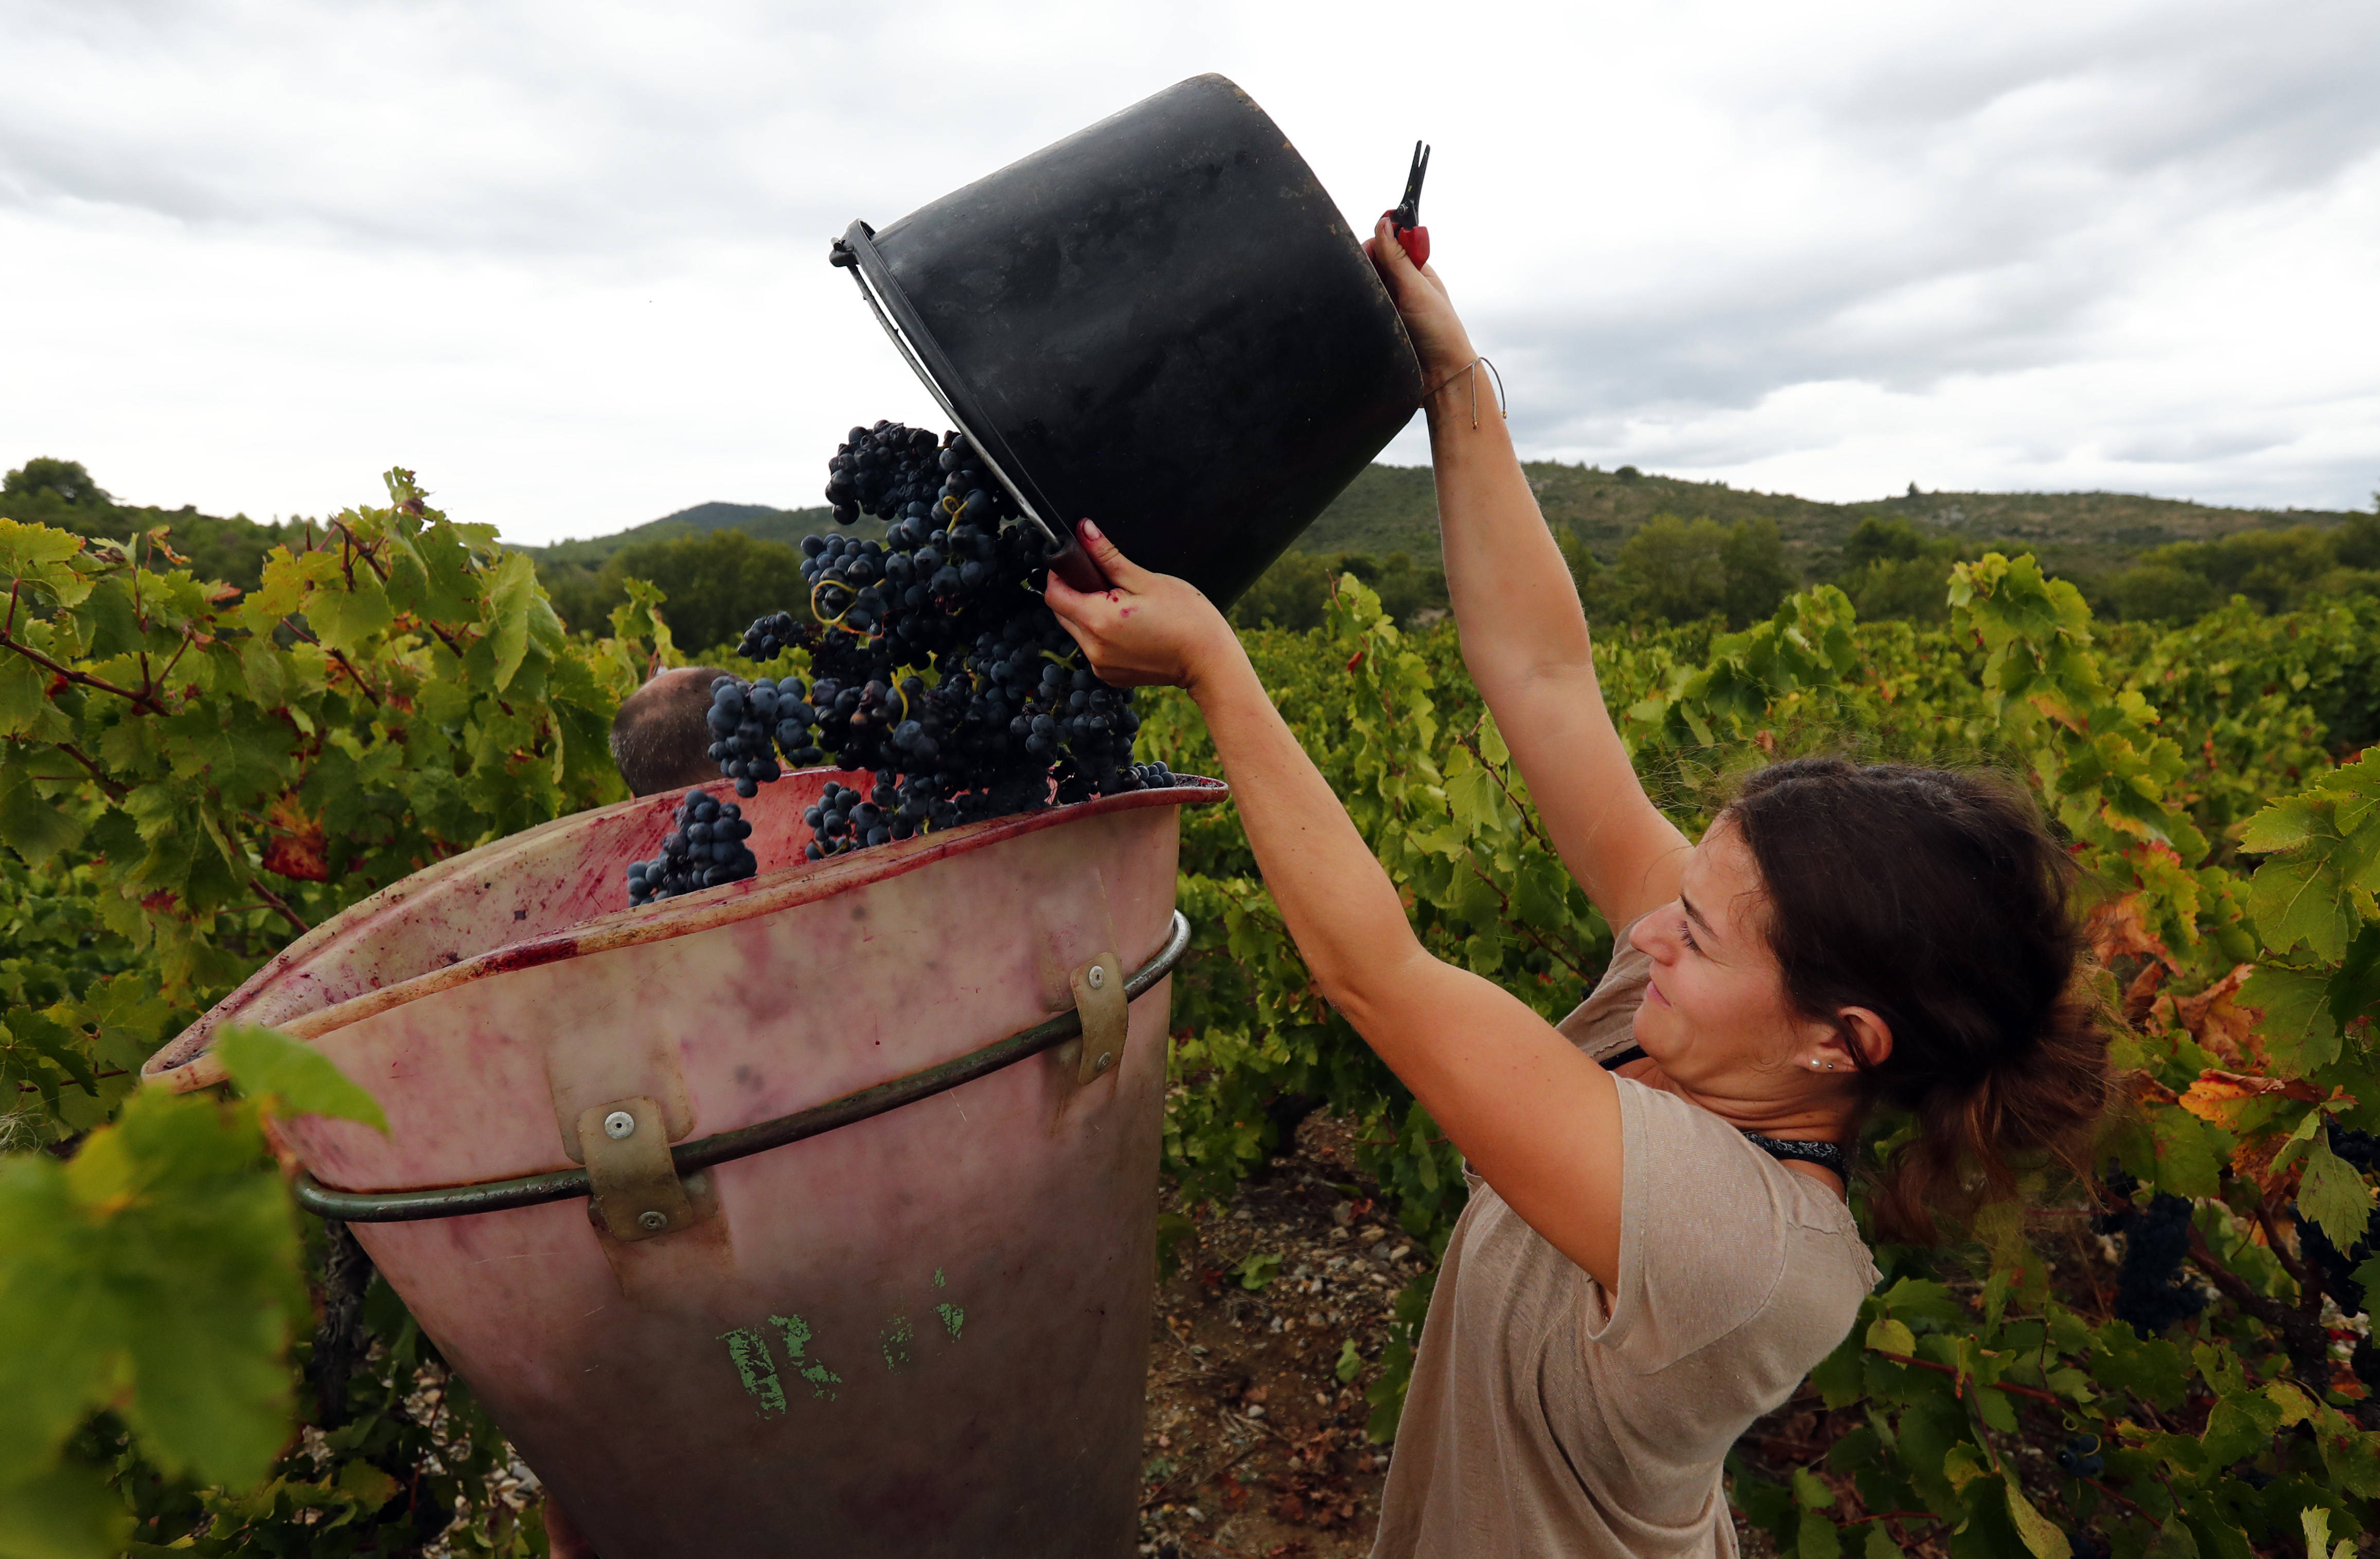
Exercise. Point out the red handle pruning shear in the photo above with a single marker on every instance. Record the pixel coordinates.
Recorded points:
(1412, 238)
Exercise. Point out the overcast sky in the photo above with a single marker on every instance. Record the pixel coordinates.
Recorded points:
(568, 261)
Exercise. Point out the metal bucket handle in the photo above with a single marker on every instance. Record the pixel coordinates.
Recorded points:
(528, 1190)
(856, 250)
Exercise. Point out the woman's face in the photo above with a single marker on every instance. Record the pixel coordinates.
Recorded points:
(1717, 1019)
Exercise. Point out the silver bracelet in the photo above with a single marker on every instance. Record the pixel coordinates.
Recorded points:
(1472, 368)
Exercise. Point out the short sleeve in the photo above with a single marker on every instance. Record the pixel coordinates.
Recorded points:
(1606, 1021)
(1704, 1230)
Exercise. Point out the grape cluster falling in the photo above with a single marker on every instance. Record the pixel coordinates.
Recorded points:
(934, 666)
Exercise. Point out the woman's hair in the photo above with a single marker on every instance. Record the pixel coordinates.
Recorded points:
(1936, 900)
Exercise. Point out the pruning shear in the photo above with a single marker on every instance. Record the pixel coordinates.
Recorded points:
(1412, 238)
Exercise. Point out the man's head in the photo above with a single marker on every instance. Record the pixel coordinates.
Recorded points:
(660, 738)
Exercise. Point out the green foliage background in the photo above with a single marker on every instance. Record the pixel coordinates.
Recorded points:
(194, 772)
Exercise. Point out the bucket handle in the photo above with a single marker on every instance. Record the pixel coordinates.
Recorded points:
(493, 1196)
(856, 253)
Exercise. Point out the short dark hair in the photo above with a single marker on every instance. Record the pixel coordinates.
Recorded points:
(659, 737)
(1936, 899)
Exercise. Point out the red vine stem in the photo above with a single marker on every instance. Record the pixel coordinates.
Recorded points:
(113, 789)
(1469, 742)
(279, 906)
(2033, 1392)
(190, 637)
(2308, 1292)
(2302, 1338)
(2113, 1495)
(10, 642)
(1504, 903)
(372, 560)
(95, 1076)
(340, 656)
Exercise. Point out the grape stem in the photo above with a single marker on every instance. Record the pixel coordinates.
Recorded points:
(2308, 1292)
(2301, 1336)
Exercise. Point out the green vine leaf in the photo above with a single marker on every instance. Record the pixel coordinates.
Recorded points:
(2334, 1196)
(291, 1077)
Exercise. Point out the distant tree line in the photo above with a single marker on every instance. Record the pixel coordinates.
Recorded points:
(45, 490)
(714, 585)
(2277, 570)
(1670, 570)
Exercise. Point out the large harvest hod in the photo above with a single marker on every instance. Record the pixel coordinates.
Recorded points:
(645, 1189)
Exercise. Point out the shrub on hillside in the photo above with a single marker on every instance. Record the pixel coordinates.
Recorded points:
(715, 585)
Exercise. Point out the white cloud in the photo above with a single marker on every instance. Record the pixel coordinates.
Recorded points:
(568, 261)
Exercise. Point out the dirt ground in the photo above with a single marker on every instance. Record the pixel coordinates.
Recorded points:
(1254, 1446)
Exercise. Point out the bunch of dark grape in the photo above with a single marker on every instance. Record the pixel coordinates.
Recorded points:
(747, 720)
(2156, 1237)
(705, 849)
(880, 468)
(934, 664)
(845, 820)
(2079, 1457)
(2357, 1148)
(952, 590)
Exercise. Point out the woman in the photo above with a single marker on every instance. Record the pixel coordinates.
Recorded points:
(1657, 1247)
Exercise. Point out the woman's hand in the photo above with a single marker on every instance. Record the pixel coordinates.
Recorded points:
(1438, 339)
(1147, 628)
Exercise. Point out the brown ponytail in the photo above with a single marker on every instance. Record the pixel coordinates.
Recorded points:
(1937, 900)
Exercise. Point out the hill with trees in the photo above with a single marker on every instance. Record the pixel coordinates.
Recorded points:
(1650, 548)
(1643, 548)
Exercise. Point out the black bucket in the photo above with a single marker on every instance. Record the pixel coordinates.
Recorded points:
(1161, 323)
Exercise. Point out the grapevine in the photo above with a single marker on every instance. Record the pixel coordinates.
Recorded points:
(192, 775)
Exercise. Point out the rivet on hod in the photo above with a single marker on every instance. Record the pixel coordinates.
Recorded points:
(1106, 1060)
(619, 1125)
(653, 1223)
(1098, 978)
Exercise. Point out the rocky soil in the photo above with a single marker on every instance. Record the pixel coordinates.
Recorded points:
(1255, 1443)
(1268, 1333)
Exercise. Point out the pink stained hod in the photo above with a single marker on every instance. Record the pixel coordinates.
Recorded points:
(924, 1333)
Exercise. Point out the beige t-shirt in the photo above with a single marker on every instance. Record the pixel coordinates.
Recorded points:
(1549, 1416)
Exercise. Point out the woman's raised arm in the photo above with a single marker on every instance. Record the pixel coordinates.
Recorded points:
(1526, 1106)
(1525, 636)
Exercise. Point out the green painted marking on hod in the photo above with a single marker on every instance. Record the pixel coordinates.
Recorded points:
(797, 1334)
(748, 1351)
(938, 1279)
(895, 1340)
(952, 1317)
